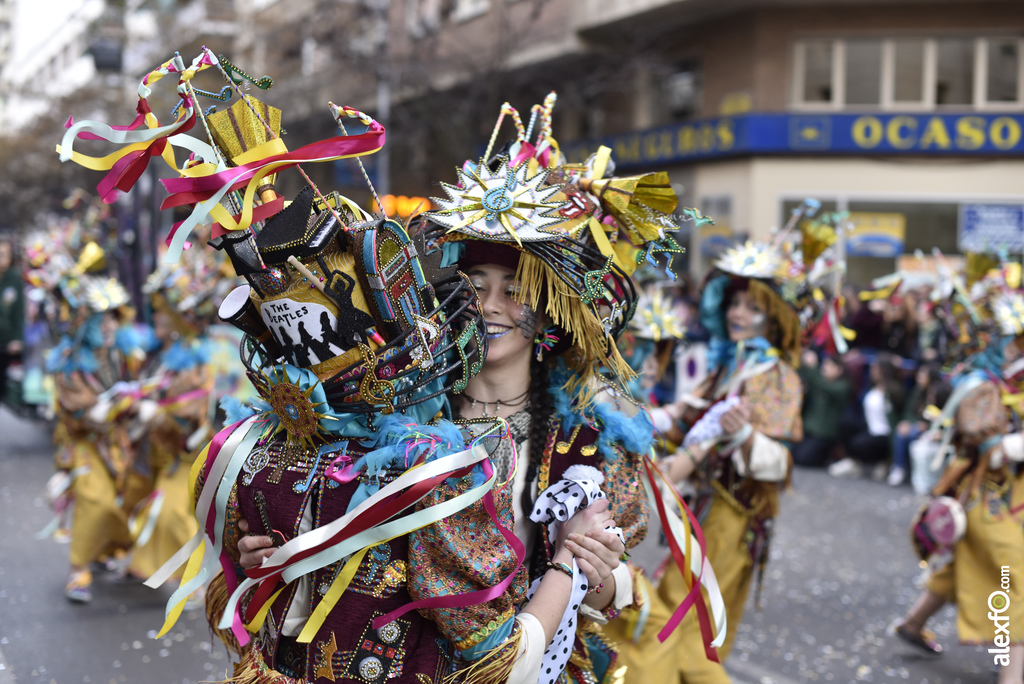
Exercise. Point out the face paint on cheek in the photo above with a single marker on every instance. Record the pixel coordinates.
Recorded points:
(527, 323)
(758, 320)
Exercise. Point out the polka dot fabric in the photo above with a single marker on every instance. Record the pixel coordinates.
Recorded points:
(556, 504)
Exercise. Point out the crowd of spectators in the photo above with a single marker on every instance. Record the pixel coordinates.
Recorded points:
(864, 409)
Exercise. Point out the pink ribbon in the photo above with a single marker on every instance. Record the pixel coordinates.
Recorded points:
(226, 563)
(193, 190)
(341, 469)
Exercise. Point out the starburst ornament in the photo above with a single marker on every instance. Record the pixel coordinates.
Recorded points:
(655, 318)
(504, 205)
(750, 260)
(298, 414)
(1008, 310)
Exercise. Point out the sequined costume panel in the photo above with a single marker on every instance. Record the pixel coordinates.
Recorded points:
(464, 553)
(276, 484)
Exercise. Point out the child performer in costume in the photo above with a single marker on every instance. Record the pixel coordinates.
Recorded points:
(970, 532)
(94, 455)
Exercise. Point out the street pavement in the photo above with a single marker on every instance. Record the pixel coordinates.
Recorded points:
(841, 571)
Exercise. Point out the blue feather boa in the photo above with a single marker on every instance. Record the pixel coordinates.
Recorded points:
(634, 434)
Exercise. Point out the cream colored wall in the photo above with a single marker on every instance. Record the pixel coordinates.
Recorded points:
(759, 185)
(731, 178)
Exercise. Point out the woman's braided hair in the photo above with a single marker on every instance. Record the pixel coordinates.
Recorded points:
(541, 410)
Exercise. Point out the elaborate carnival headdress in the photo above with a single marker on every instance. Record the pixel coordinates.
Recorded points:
(794, 278)
(337, 312)
(579, 235)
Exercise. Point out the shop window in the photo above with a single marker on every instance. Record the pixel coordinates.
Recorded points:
(817, 70)
(954, 74)
(681, 92)
(863, 62)
(1003, 70)
(718, 207)
(915, 73)
(908, 70)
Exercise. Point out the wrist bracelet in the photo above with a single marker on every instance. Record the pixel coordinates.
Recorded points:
(561, 567)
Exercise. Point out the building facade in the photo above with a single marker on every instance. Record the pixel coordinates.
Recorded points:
(908, 114)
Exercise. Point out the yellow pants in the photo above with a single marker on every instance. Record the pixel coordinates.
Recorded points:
(99, 525)
(681, 657)
(724, 530)
(988, 559)
(647, 659)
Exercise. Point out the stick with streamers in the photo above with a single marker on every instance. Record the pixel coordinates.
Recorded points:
(126, 165)
(520, 130)
(203, 188)
(227, 69)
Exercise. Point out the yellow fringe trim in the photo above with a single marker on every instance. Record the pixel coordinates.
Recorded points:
(592, 350)
(254, 670)
(493, 668)
(217, 595)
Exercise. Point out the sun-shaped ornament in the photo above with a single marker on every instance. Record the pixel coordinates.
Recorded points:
(295, 410)
(503, 205)
(655, 318)
(750, 260)
(1009, 313)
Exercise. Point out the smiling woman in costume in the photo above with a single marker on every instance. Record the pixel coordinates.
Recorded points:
(550, 247)
(552, 306)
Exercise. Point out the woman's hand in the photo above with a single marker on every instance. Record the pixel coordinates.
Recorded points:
(596, 550)
(734, 419)
(253, 548)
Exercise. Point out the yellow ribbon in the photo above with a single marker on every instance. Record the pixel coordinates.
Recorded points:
(603, 244)
(195, 561)
(261, 615)
(338, 587)
(601, 159)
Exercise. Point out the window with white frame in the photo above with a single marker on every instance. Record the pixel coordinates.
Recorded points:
(908, 73)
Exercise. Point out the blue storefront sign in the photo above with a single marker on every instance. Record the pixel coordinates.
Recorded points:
(985, 227)
(875, 134)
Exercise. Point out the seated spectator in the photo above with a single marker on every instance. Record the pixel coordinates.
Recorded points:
(882, 405)
(932, 339)
(913, 423)
(826, 391)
